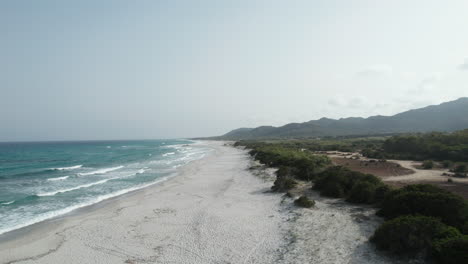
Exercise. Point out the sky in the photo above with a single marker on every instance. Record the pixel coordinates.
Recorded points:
(118, 69)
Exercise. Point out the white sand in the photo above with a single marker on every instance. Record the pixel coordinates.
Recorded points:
(214, 211)
(333, 232)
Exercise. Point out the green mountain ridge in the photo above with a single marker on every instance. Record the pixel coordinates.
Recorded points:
(445, 117)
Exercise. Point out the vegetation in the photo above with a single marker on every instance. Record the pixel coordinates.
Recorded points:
(447, 164)
(413, 235)
(421, 219)
(428, 200)
(305, 202)
(283, 184)
(460, 168)
(438, 146)
(340, 182)
(302, 164)
(453, 250)
(428, 164)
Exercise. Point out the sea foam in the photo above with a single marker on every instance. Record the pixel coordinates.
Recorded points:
(68, 168)
(75, 188)
(100, 171)
(58, 178)
(69, 209)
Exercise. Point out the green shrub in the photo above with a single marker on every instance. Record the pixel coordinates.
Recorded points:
(304, 164)
(453, 250)
(381, 192)
(447, 163)
(283, 184)
(285, 171)
(339, 182)
(305, 202)
(426, 200)
(411, 235)
(362, 192)
(436, 146)
(428, 164)
(460, 168)
(333, 189)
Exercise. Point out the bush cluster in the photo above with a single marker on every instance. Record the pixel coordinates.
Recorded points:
(424, 219)
(438, 146)
(428, 200)
(460, 168)
(452, 250)
(421, 219)
(447, 163)
(413, 235)
(305, 164)
(283, 184)
(340, 182)
(428, 164)
(305, 202)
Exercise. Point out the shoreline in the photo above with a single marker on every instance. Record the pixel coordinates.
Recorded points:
(83, 233)
(15, 233)
(218, 209)
(79, 210)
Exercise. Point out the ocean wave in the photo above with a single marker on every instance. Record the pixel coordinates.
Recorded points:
(69, 209)
(58, 178)
(7, 203)
(100, 171)
(68, 168)
(178, 146)
(140, 171)
(74, 188)
(168, 154)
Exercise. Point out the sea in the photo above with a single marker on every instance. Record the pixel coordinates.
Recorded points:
(43, 180)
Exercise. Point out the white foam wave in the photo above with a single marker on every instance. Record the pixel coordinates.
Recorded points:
(140, 171)
(60, 212)
(58, 178)
(68, 168)
(168, 154)
(74, 188)
(7, 203)
(176, 147)
(100, 171)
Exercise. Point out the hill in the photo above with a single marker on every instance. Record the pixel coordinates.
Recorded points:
(445, 117)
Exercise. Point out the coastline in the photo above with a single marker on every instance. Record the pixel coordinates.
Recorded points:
(218, 209)
(212, 210)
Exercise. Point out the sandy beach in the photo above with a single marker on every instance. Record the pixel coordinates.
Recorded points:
(215, 210)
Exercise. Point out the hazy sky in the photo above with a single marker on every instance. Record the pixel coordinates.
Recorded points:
(166, 69)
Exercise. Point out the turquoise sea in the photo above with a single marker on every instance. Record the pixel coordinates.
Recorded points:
(42, 180)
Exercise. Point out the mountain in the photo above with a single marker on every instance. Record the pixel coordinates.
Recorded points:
(446, 117)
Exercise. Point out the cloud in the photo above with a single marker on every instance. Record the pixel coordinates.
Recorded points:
(427, 84)
(376, 70)
(464, 66)
(348, 103)
(335, 102)
(357, 102)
